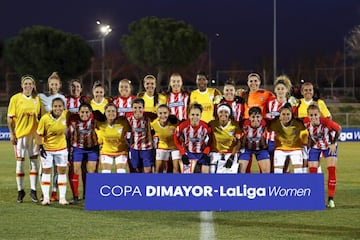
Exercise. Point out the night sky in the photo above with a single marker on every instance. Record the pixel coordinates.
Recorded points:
(245, 26)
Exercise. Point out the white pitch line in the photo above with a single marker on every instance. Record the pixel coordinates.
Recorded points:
(207, 231)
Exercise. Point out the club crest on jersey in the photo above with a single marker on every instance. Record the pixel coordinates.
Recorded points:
(63, 122)
(120, 130)
(262, 98)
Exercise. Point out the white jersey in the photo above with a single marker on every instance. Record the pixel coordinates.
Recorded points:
(46, 101)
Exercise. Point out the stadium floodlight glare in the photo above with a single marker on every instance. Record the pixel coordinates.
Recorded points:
(104, 30)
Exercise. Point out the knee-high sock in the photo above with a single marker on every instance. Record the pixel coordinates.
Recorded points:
(74, 183)
(331, 181)
(62, 180)
(20, 174)
(33, 173)
(55, 179)
(45, 185)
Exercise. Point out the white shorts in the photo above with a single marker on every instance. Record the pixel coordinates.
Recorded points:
(120, 159)
(59, 157)
(163, 154)
(26, 144)
(305, 152)
(296, 157)
(216, 159)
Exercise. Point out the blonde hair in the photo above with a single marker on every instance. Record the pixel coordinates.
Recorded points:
(54, 75)
(283, 79)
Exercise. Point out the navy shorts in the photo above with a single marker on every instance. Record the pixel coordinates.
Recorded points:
(141, 158)
(314, 154)
(81, 154)
(260, 154)
(198, 157)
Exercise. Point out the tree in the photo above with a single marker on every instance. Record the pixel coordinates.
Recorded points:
(1, 48)
(40, 50)
(164, 44)
(353, 42)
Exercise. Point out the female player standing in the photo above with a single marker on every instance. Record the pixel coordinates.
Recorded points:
(23, 113)
(323, 136)
(51, 129)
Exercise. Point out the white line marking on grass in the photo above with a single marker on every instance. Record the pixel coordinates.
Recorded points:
(207, 231)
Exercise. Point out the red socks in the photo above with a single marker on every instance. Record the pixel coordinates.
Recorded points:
(74, 183)
(331, 181)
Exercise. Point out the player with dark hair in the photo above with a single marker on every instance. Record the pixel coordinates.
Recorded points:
(253, 141)
(53, 148)
(192, 140)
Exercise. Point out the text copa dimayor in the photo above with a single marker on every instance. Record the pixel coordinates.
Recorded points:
(183, 191)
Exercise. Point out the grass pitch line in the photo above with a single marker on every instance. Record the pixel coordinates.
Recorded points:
(207, 230)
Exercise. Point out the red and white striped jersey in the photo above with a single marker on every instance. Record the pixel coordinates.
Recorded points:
(141, 138)
(237, 109)
(73, 104)
(321, 135)
(178, 103)
(82, 133)
(192, 139)
(273, 108)
(124, 105)
(254, 138)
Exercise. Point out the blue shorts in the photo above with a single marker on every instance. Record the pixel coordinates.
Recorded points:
(260, 154)
(314, 154)
(81, 154)
(271, 146)
(198, 157)
(141, 158)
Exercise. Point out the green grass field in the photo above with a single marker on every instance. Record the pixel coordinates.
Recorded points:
(33, 221)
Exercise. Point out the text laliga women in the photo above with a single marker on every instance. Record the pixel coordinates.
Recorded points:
(202, 191)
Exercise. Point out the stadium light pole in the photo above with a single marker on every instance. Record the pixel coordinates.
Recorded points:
(210, 56)
(104, 30)
(344, 62)
(274, 36)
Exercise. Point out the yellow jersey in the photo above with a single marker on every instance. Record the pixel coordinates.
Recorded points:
(52, 130)
(292, 137)
(223, 139)
(302, 109)
(99, 106)
(149, 102)
(206, 99)
(24, 111)
(165, 135)
(112, 138)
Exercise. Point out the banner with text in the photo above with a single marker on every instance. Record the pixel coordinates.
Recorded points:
(4, 134)
(205, 192)
(349, 135)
